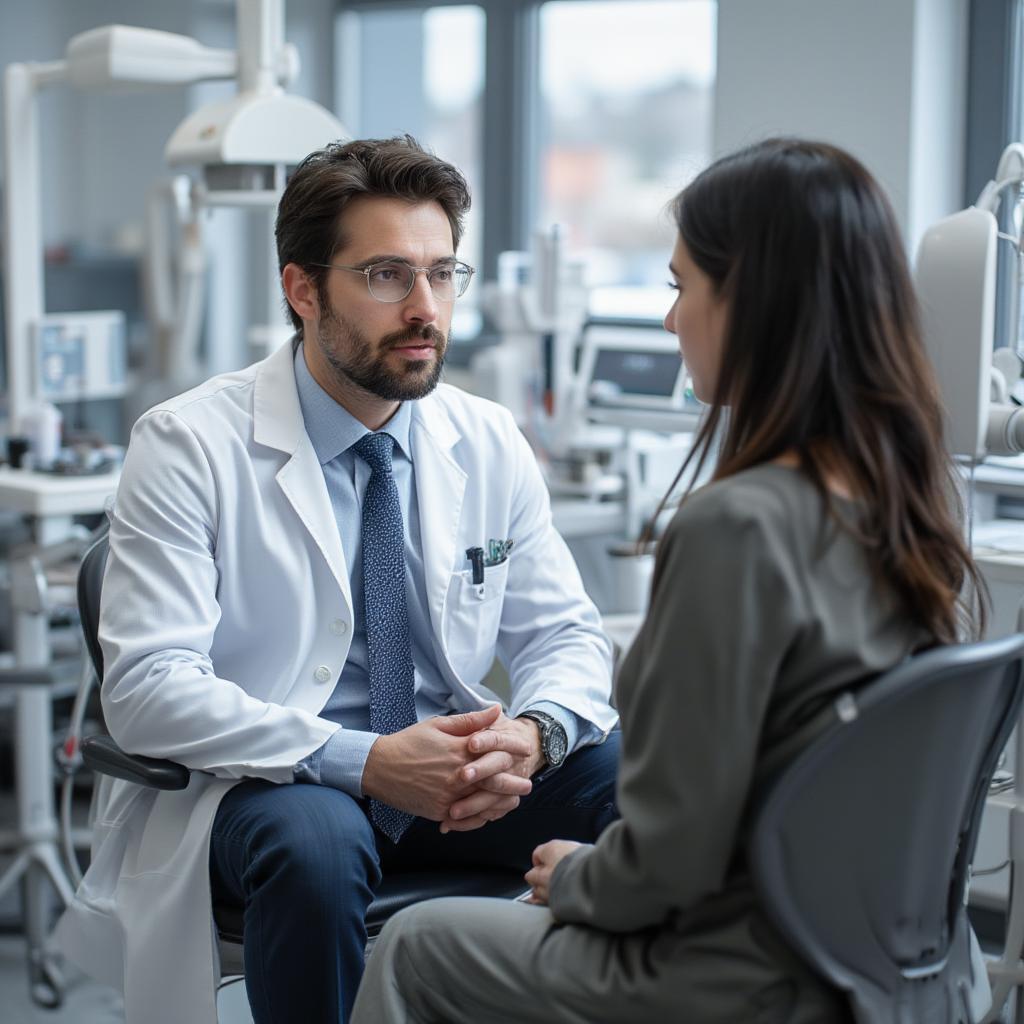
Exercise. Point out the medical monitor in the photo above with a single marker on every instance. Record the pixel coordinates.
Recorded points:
(631, 368)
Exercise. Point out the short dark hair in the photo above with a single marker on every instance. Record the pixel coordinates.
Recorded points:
(308, 218)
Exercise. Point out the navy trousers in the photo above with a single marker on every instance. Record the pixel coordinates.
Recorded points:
(303, 862)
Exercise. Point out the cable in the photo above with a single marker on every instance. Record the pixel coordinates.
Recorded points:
(70, 760)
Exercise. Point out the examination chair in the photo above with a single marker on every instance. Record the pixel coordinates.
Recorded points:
(397, 890)
(861, 849)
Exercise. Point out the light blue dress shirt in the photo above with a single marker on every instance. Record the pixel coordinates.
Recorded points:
(333, 431)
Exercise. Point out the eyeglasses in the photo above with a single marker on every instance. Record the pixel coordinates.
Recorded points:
(392, 280)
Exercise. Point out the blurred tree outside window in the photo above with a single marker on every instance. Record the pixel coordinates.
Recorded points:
(409, 80)
(626, 120)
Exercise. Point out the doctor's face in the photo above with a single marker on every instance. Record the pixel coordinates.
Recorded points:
(697, 319)
(392, 350)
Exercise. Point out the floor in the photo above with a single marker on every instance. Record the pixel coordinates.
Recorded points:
(85, 1001)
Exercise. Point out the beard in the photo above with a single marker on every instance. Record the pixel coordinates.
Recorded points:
(356, 360)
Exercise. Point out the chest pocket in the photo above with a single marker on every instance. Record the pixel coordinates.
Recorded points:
(472, 618)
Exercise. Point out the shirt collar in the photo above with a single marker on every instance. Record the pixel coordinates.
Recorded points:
(331, 427)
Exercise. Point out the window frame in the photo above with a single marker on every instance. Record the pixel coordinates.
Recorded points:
(995, 116)
(510, 114)
(995, 113)
(510, 132)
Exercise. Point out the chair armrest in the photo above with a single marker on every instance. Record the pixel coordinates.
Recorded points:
(103, 755)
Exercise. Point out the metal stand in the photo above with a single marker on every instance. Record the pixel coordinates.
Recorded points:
(37, 863)
(1007, 973)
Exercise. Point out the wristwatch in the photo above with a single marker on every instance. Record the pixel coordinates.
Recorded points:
(554, 744)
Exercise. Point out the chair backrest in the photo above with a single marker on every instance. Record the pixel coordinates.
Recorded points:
(90, 583)
(860, 852)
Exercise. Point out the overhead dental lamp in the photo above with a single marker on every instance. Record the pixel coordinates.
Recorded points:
(241, 147)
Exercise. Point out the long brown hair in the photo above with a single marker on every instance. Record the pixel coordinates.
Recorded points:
(823, 358)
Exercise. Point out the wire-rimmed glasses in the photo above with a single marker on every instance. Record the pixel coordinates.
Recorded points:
(393, 280)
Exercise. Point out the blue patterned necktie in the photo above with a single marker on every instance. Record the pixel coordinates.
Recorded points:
(389, 650)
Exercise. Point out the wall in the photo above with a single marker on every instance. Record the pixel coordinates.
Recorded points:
(886, 79)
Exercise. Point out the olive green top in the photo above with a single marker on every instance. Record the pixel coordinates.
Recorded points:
(762, 611)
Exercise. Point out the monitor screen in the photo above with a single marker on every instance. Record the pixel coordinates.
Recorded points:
(620, 371)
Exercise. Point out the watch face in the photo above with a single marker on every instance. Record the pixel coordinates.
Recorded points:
(555, 745)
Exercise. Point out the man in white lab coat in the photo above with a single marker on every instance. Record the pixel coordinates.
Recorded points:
(313, 563)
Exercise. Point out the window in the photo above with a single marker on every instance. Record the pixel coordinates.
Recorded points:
(400, 76)
(598, 112)
(626, 117)
(994, 119)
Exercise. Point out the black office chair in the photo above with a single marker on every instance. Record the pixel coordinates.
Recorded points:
(861, 850)
(396, 891)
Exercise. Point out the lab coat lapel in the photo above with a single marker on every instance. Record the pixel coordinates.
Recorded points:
(302, 481)
(440, 490)
(278, 423)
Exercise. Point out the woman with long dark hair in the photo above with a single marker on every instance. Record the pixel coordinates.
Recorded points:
(825, 549)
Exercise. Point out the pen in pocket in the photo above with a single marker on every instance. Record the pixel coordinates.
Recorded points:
(476, 560)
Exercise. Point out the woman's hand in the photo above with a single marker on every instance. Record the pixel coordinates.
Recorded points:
(545, 860)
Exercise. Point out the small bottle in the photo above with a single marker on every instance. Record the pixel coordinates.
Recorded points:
(42, 427)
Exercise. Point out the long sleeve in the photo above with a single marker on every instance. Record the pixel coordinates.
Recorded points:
(162, 695)
(693, 694)
(340, 762)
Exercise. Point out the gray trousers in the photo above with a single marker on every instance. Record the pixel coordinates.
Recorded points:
(499, 962)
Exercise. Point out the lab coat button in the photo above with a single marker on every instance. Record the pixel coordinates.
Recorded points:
(338, 627)
(322, 674)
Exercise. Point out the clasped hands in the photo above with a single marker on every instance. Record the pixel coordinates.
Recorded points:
(460, 770)
(464, 771)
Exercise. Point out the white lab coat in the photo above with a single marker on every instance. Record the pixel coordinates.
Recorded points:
(226, 620)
